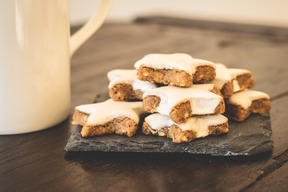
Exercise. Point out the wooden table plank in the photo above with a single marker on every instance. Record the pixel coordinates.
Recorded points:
(277, 32)
(279, 125)
(276, 181)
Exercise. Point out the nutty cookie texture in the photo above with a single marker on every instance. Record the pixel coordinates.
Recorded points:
(195, 127)
(182, 103)
(108, 117)
(241, 104)
(178, 69)
(231, 80)
(124, 85)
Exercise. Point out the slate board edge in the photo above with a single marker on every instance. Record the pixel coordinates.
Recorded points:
(76, 142)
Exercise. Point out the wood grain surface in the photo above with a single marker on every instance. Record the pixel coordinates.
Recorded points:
(37, 161)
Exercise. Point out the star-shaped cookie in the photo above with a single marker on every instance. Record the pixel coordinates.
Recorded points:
(108, 117)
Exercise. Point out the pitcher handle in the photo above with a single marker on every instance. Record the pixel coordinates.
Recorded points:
(91, 26)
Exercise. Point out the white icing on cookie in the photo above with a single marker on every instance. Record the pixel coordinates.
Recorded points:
(207, 87)
(202, 101)
(225, 75)
(128, 76)
(246, 97)
(101, 113)
(180, 61)
(222, 76)
(158, 121)
(236, 86)
(121, 76)
(143, 85)
(199, 124)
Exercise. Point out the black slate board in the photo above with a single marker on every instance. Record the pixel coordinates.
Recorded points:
(250, 137)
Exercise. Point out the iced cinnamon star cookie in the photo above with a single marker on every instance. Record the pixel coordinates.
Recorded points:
(108, 117)
(194, 127)
(241, 104)
(124, 85)
(177, 69)
(181, 103)
(230, 80)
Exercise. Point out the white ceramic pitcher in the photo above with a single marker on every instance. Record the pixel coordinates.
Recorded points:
(35, 51)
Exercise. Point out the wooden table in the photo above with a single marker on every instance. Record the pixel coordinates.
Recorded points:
(37, 161)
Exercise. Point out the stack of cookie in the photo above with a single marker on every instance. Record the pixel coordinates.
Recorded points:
(240, 102)
(185, 96)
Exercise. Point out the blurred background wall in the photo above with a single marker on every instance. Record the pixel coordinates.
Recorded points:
(261, 12)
